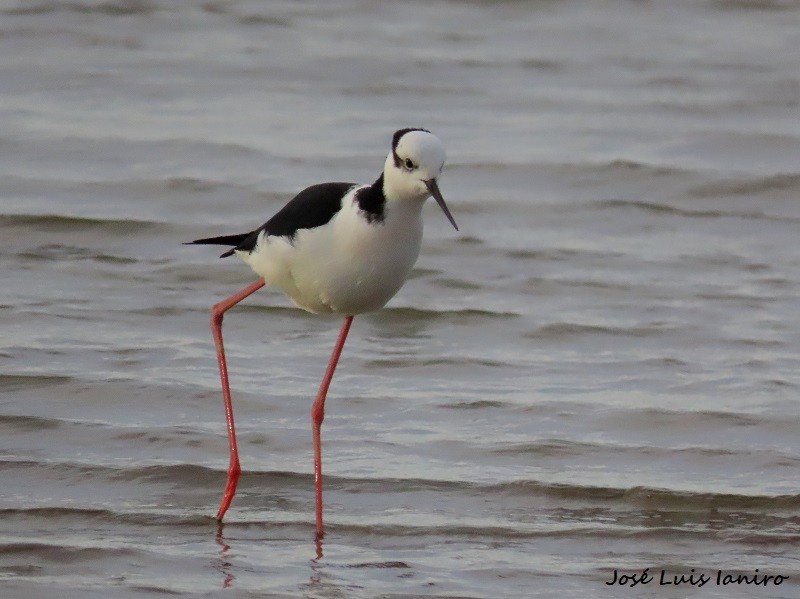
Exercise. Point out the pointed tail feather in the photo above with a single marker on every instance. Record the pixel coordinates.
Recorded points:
(233, 240)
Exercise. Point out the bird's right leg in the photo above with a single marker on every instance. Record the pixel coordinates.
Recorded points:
(217, 312)
(317, 416)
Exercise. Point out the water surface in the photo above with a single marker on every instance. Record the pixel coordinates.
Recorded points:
(598, 373)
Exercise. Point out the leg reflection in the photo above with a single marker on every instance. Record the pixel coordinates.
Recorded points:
(222, 564)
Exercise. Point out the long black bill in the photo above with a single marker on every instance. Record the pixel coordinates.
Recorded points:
(433, 187)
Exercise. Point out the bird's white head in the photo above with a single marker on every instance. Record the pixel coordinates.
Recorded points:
(413, 167)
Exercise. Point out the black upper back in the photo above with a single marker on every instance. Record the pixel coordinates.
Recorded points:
(312, 207)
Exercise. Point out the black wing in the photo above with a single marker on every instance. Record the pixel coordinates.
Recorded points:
(312, 207)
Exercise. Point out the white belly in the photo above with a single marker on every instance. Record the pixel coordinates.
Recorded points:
(348, 266)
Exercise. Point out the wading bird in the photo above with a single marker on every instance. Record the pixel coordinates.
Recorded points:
(336, 248)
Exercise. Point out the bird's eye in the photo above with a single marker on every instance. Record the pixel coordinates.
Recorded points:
(409, 164)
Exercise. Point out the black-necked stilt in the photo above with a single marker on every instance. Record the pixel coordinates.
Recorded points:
(336, 248)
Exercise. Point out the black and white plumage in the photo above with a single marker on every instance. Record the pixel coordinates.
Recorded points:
(337, 248)
(344, 248)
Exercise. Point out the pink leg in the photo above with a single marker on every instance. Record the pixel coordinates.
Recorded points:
(217, 312)
(318, 414)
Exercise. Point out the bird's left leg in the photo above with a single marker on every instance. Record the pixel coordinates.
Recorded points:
(318, 414)
(217, 312)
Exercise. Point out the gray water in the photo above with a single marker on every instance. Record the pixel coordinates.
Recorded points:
(598, 373)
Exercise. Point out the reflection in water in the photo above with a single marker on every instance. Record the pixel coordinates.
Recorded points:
(222, 564)
(225, 566)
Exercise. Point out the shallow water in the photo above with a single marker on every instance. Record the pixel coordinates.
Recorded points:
(598, 373)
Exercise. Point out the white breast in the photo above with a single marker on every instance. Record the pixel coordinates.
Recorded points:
(347, 266)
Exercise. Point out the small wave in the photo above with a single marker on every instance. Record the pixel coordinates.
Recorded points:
(589, 284)
(188, 476)
(560, 254)
(191, 184)
(18, 382)
(572, 449)
(539, 64)
(393, 565)
(551, 448)
(285, 310)
(57, 251)
(196, 476)
(474, 405)
(622, 168)
(184, 473)
(226, 8)
(779, 182)
(27, 423)
(117, 8)
(460, 284)
(106, 516)
(58, 512)
(634, 165)
(562, 330)
(64, 554)
(180, 474)
(672, 499)
(619, 167)
(754, 5)
(592, 529)
(657, 208)
(61, 223)
(647, 207)
(659, 418)
(263, 20)
(415, 361)
(464, 316)
(652, 496)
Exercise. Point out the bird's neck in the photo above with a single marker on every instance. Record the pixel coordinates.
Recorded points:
(398, 187)
(381, 200)
(377, 188)
(372, 201)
